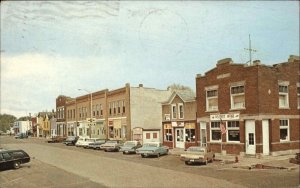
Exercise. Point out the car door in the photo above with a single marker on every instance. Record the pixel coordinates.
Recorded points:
(8, 159)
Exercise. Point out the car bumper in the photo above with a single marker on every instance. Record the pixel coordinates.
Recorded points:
(192, 160)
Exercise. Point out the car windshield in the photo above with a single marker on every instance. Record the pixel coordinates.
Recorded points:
(195, 149)
(129, 144)
(111, 142)
(151, 144)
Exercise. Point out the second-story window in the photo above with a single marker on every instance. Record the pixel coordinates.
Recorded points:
(174, 111)
(114, 107)
(211, 100)
(237, 97)
(119, 106)
(109, 107)
(79, 109)
(94, 110)
(180, 109)
(123, 104)
(283, 96)
(101, 110)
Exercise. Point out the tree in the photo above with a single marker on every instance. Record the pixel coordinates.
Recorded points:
(176, 87)
(6, 121)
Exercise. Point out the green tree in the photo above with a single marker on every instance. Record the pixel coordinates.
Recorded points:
(6, 121)
(176, 87)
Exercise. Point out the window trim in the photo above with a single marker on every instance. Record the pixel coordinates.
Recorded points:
(232, 129)
(285, 84)
(180, 105)
(173, 107)
(285, 127)
(218, 129)
(213, 97)
(238, 94)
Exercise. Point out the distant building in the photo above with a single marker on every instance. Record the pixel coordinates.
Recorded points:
(250, 109)
(22, 127)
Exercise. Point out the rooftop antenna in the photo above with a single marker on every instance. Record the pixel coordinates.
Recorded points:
(250, 51)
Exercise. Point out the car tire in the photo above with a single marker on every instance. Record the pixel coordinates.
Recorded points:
(158, 155)
(186, 162)
(206, 161)
(16, 164)
(143, 156)
(124, 153)
(105, 150)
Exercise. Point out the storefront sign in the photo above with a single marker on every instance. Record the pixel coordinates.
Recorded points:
(190, 125)
(175, 124)
(167, 126)
(224, 117)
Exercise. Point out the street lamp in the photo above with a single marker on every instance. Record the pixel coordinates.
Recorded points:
(90, 93)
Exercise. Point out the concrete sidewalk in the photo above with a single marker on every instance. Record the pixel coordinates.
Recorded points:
(249, 161)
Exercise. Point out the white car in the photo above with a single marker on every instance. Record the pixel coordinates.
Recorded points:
(80, 142)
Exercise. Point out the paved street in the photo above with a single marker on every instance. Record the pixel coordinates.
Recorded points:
(56, 165)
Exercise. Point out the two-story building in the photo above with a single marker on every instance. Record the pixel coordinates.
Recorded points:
(250, 109)
(179, 120)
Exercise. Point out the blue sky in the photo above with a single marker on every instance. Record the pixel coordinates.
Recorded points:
(51, 48)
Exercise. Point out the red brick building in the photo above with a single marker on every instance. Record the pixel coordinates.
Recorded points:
(256, 105)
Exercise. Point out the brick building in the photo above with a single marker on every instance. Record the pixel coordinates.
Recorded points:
(250, 109)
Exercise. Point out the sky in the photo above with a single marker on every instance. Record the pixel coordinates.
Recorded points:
(52, 48)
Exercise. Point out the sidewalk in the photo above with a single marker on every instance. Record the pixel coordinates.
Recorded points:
(250, 162)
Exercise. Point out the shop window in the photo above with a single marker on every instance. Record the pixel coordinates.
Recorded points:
(212, 100)
(147, 135)
(284, 130)
(190, 135)
(283, 96)
(154, 135)
(233, 131)
(174, 111)
(168, 133)
(237, 97)
(215, 130)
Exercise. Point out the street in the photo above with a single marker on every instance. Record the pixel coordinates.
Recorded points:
(57, 165)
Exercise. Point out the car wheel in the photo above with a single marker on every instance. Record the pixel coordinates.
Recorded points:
(142, 155)
(105, 150)
(16, 164)
(186, 162)
(124, 152)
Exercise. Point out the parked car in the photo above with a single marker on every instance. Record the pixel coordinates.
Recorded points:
(89, 141)
(56, 139)
(81, 141)
(152, 149)
(111, 145)
(96, 144)
(130, 147)
(197, 154)
(21, 136)
(13, 158)
(71, 140)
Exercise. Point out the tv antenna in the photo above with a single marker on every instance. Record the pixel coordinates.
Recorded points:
(250, 49)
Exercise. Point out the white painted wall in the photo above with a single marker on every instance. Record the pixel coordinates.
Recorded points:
(146, 108)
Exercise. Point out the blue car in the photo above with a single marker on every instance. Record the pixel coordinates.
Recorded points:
(152, 149)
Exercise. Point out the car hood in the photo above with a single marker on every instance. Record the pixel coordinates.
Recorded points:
(148, 148)
(127, 147)
(110, 144)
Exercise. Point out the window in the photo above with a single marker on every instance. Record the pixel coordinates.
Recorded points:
(212, 100)
(284, 130)
(298, 91)
(190, 135)
(180, 106)
(174, 111)
(94, 111)
(154, 135)
(237, 97)
(215, 131)
(168, 132)
(114, 107)
(97, 109)
(123, 104)
(147, 135)
(101, 110)
(233, 131)
(119, 108)
(283, 96)
(80, 112)
(109, 106)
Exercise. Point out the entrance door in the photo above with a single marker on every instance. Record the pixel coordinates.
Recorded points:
(203, 134)
(250, 137)
(265, 129)
(179, 137)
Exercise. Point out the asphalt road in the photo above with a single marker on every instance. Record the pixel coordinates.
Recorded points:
(89, 168)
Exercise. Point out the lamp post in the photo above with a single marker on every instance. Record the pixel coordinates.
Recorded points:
(91, 96)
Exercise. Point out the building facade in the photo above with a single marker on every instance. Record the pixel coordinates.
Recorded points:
(250, 109)
(179, 120)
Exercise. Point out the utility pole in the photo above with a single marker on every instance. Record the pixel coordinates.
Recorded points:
(250, 51)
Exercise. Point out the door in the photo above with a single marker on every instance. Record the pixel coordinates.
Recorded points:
(203, 134)
(250, 137)
(179, 135)
(265, 134)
